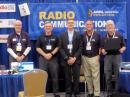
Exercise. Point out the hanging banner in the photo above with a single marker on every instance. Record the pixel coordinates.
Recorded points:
(59, 13)
(11, 7)
(3, 38)
(7, 23)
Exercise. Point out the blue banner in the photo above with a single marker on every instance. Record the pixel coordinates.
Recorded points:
(58, 13)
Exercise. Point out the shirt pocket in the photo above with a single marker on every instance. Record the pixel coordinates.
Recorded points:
(14, 41)
(24, 40)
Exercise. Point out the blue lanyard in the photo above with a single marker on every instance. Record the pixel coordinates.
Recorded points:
(18, 38)
(89, 39)
(48, 41)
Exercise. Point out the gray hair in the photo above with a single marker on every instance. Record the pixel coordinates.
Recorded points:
(110, 22)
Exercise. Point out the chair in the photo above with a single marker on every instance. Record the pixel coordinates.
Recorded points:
(34, 83)
(82, 79)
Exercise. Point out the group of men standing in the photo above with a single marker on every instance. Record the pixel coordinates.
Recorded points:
(75, 49)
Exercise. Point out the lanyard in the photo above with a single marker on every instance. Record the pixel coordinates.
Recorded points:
(18, 38)
(89, 40)
(48, 40)
(112, 36)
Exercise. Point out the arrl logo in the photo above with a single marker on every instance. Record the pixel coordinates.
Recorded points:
(90, 13)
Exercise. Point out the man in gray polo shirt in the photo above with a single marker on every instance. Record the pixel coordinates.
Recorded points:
(112, 55)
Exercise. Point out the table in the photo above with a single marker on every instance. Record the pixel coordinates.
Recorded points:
(10, 85)
(124, 81)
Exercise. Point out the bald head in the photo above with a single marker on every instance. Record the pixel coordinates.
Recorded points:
(18, 22)
(18, 26)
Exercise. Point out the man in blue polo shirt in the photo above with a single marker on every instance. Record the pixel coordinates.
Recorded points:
(90, 59)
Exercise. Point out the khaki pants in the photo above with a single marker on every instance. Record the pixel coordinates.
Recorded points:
(92, 73)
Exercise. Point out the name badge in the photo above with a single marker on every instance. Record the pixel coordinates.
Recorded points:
(88, 44)
(70, 46)
(48, 47)
(88, 47)
(19, 47)
(14, 39)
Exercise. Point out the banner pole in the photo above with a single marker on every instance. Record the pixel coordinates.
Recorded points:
(77, 1)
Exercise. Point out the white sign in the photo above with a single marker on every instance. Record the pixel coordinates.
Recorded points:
(7, 7)
(7, 23)
(24, 10)
(14, 65)
(3, 38)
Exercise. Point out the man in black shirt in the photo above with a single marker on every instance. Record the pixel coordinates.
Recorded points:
(112, 55)
(90, 59)
(47, 47)
(18, 44)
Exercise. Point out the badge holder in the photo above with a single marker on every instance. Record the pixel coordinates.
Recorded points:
(19, 47)
(48, 47)
(88, 47)
(70, 47)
